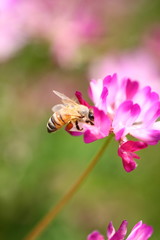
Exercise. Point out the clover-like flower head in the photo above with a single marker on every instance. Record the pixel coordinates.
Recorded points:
(123, 108)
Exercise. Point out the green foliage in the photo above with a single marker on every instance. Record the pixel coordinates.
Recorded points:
(37, 168)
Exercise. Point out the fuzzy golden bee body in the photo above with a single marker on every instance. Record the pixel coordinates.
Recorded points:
(69, 113)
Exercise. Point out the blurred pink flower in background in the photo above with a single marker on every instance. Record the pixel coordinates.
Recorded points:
(138, 64)
(5, 4)
(141, 63)
(74, 26)
(140, 231)
(12, 33)
(65, 26)
(124, 108)
(151, 41)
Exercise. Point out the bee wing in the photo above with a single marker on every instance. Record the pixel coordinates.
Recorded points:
(57, 107)
(71, 111)
(66, 100)
(70, 107)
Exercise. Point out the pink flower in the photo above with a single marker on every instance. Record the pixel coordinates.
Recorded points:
(123, 108)
(140, 231)
(139, 64)
(66, 27)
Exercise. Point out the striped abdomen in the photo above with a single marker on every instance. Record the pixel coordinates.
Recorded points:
(55, 122)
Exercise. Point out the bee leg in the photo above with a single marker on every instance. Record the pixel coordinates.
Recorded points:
(69, 126)
(90, 122)
(77, 126)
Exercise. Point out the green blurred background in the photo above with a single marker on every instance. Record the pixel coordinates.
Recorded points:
(37, 168)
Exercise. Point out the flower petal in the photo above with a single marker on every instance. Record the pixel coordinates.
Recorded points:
(95, 236)
(95, 90)
(131, 88)
(75, 134)
(102, 105)
(100, 129)
(126, 150)
(121, 232)
(81, 100)
(125, 116)
(110, 231)
(150, 136)
(111, 83)
(145, 98)
(152, 114)
(132, 146)
(91, 135)
(140, 232)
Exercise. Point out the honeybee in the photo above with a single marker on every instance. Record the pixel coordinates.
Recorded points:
(69, 113)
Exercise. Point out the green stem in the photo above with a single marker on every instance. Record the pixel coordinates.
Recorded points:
(41, 226)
